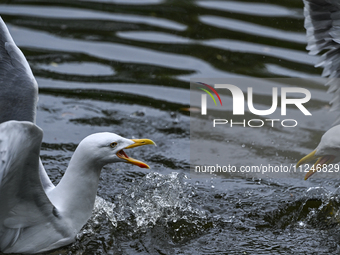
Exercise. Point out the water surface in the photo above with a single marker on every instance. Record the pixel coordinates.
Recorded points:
(125, 67)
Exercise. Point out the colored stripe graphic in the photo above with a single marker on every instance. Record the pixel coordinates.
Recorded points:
(213, 90)
(209, 95)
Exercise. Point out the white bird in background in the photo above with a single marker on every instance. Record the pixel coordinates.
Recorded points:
(322, 20)
(36, 216)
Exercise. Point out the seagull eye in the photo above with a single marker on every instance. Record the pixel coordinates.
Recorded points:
(113, 144)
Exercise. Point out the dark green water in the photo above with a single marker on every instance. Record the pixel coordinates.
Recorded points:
(124, 67)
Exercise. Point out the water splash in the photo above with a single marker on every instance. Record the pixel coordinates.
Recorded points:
(96, 236)
(329, 210)
(317, 208)
(158, 199)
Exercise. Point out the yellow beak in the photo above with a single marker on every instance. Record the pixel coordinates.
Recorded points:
(323, 160)
(138, 142)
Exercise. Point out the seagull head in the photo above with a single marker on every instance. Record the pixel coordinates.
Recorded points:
(326, 152)
(105, 148)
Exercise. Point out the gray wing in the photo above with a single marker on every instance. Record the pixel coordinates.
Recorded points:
(25, 210)
(18, 87)
(322, 22)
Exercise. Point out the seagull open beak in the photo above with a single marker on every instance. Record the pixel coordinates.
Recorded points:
(138, 142)
(323, 160)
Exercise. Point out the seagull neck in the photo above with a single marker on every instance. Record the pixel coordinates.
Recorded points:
(75, 194)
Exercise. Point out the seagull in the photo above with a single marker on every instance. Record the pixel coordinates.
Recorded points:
(322, 19)
(35, 215)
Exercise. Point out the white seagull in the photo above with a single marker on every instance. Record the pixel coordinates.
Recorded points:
(322, 20)
(35, 215)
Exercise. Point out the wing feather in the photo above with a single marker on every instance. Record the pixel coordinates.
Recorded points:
(19, 89)
(25, 207)
(322, 22)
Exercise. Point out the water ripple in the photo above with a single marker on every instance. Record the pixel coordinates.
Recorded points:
(154, 37)
(255, 9)
(78, 14)
(250, 28)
